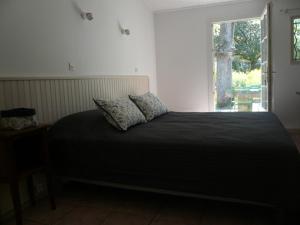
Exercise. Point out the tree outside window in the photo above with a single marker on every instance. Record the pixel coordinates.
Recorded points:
(296, 39)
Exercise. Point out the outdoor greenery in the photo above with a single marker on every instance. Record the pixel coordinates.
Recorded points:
(237, 44)
(246, 46)
(244, 80)
(296, 53)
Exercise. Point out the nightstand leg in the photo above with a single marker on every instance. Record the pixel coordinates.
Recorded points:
(31, 190)
(15, 194)
(50, 189)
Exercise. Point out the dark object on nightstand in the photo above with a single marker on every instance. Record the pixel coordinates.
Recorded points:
(23, 153)
(17, 112)
(18, 118)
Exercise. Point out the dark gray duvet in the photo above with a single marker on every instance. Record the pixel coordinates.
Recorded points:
(247, 156)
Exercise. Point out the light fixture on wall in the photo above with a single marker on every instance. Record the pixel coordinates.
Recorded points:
(87, 16)
(124, 31)
(84, 15)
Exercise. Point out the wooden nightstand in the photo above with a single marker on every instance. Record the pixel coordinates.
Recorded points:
(23, 153)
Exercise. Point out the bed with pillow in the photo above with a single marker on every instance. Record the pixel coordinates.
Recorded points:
(241, 157)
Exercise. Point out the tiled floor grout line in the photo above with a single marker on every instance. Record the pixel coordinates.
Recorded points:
(153, 219)
(66, 214)
(107, 216)
(56, 221)
(35, 222)
(156, 216)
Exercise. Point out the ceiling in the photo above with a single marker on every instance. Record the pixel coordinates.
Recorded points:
(160, 5)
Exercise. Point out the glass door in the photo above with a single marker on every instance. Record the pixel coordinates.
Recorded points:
(266, 64)
(237, 75)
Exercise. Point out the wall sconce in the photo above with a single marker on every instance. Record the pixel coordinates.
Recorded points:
(123, 30)
(87, 16)
(84, 15)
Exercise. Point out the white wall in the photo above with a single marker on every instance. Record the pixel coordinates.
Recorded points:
(183, 45)
(184, 52)
(40, 37)
(287, 76)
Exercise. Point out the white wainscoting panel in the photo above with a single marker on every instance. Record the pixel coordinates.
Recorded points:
(55, 97)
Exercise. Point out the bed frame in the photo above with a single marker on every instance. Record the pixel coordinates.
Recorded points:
(57, 96)
(164, 191)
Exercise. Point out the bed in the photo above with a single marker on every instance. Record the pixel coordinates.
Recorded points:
(242, 157)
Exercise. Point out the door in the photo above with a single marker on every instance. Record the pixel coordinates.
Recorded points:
(237, 75)
(266, 63)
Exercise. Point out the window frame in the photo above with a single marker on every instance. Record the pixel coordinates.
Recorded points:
(293, 60)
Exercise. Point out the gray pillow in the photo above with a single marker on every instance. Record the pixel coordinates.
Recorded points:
(122, 113)
(150, 105)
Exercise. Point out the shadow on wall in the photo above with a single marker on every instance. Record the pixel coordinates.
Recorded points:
(84, 15)
(77, 8)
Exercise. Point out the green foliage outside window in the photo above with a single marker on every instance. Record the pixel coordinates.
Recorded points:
(296, 39)
(246, 64)
(247, 53)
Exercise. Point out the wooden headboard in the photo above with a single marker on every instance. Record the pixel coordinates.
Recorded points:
(55, 97)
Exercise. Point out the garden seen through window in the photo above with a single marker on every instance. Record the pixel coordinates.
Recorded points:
(237, 67)
(296, 39)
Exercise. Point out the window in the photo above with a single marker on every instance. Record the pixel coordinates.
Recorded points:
(296, 39)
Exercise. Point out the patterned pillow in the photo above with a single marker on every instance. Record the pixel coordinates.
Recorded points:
(122, 113)
(150, 105)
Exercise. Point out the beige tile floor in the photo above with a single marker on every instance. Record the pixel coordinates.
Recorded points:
(90, 205)
(80, 204)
